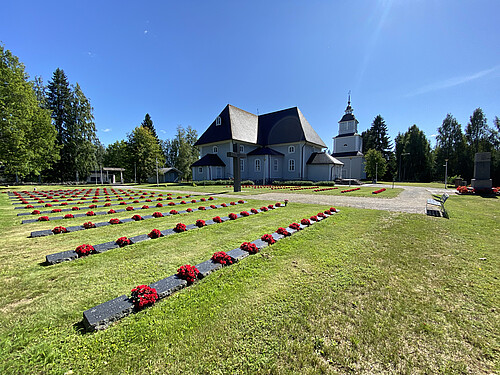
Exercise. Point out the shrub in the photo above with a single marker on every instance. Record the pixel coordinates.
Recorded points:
(200, 223)
(68, 216)
(123, 241)
(233, 216)
(173, 212)
(58, 230)
(145, 207)
(264, 208)
(84, 250)
(155, 233)
(217, 219)
(36, 212)
(188, 272)
(115, 221)
(159, 205)
(305, 222)
(268, 238)
(130, 208)
(254, 211)
(295, 226)
(222, 258)
(283, 231)
(244, 213)
(250, 247)
(90, 213)
(143, 296)
(111, 211)
(75, 208)
(137, 217)
(180, 228)
(88, 225)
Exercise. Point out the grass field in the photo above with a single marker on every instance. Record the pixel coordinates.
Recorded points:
(364, 291)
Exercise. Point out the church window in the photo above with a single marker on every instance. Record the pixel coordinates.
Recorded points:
(291, 149)
(218, 121)
(242, 148)
(242, 165)
(275, 165)
(257, 165)
(215, 149)
(200, 170)
(345, 144)
(291, 165)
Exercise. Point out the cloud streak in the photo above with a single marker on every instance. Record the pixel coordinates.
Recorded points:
(106, 130)
(452, 82)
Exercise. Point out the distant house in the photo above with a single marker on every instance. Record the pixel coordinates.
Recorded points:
(279, 145)
(106, 175)
(166, 175)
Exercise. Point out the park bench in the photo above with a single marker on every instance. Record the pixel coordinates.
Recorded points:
(437, 201)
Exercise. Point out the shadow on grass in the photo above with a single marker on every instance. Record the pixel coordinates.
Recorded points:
(79, 328)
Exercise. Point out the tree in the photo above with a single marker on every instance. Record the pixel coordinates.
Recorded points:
(376, 137)
(413, 155)
(376, 164)
(477, 131)
(180, 151)
(144, 152)
(450, 144)
(148, 124)
(27, 137)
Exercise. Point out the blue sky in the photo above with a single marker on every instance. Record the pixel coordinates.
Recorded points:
(183, 61)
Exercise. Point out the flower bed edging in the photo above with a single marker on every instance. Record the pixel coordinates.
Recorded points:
(101, 316)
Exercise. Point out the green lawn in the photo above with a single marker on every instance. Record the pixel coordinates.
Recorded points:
(364, 291)
(436, 185)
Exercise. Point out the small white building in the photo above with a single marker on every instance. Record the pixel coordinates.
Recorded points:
(106, 176)
(347, 146)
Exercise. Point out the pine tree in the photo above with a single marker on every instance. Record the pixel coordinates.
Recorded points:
(450, 144)
(376, 137)
(148, 124)
(413, 152)
(143, 151)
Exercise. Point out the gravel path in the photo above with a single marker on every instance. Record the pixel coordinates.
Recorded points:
(412, 199)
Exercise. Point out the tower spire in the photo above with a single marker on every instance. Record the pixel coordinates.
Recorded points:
(348, 109)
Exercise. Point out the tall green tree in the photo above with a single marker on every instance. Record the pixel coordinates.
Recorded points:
(413, 153)
(376, 164)
(377, 137)
(451, 146)
(27, 137)
(180, 151)
(477, 132)
(148, 124)
(144, 152)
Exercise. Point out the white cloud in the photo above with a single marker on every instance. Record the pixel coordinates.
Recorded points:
(451, 82)
(106, 130)
(163, 131)
(434, 135)
(146, 31)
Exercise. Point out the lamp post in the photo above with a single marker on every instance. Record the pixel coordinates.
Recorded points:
(445, 173)
(376, 172)
(157, 182)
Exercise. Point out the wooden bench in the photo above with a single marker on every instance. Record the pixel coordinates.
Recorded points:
(437, 201)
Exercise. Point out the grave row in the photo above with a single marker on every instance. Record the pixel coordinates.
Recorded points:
(66, 256)
(101, 316)
(92, 213)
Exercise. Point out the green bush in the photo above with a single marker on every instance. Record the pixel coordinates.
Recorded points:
(293, 183)
(325, 183)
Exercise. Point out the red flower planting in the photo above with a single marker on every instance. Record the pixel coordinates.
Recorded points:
(48, 205)
(29, 206)
(183, 202)
(193, 200)
(35, 212)
(56, 210)
(171, 204)
(217, 219)
(64, 203)
(159, 205)
(213, 206)
(130, 208)
(157, 214)
(333, 209)
(328, 212)
(143, 296)
(200, 223)
(68, 216)
(295, 226)
(241, 201)
(180, 228)
(314, 218)
(90, 213)
(188, 273)
(320, 214)
(254, 211)
(88, 225)
(305, 222)
(173, 212)
(283, 231)
(244, 213)
(201, 200)
(189, 210)
(222, 258)
(232, 203)
(136, 201)
(115, 221)
(264, 208)
(268, 238)
(145, 207)
(211, 198)
(278, 204)
(123, 241)
(137, 217)
(93, 206)
(58, 230)
(84, 250)
(233, 216)
(148, 200)
(75, 208)
(107, 204)
(250, 247)
(271, 206)
(224, 205)
(123, 203)
(155, 233)
(111, 211)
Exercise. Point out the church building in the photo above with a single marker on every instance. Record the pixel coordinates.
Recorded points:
(348, 146)
(279, 145)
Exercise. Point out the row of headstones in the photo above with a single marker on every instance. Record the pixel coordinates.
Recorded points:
(101, 316)
(66, 256)
(63, 194)
(171, 204)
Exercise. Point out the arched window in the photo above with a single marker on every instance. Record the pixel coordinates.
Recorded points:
(215, 149)
(218, 121)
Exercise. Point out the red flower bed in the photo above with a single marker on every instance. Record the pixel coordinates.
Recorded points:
(349, 190)
(123, 203)
(68, 216)
(189, 210)
(137, 217)
(333, 209)
(29, 206)
(250, 247)
(58, 230)
(202, 208)
(193, 200)
(48, 205)
(305, 222)
(320, 214)
(159, 205)
(148, 200)
(224, 205)
(143, 296)
(254, 211)
(232, 203)
(130, 208)
(90, 213)
(180, 228)
(54, 210)
(295, 226)
(264, 208)
(268, 238)
(93, 206)
(111, 211)
(173, 212)
(107, 204)
(171, 204)
(201, 200)
(188, 273)
(211, 198)
(123, 241)
(145, 207)
(222, 258)
(213, 206)
(183, 202)
(200, 223)
(217, 219)
(157, 214)
(64, 203)
(314, 218)
(159, 199)
(278, 204)
(244, 213)
(233, 216)
(270, 206)
(136, 201)
(378, 191)
(155, 233)
(75, 208)
(115, 221)
(328, 212)
(283, 231)
(84, 250)
(88, 225)
(35, 212)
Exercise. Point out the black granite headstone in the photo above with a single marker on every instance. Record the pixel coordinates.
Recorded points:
(169, 285)
(207, 268)
(101, 316)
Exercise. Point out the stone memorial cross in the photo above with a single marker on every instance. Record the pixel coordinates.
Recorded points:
(237, 156)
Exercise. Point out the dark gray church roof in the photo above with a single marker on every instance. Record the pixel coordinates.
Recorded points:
(285, 126)
(265, 151)
(210, 160)
(347, 117)
(323, 158)
(344, 154)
